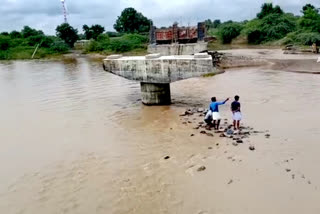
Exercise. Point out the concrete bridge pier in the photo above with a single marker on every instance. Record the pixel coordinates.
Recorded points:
(155, 93)
(156, 72)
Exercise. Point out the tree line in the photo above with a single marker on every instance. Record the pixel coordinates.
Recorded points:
(271, 24)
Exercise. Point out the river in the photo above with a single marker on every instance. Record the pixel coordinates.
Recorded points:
(75, 139)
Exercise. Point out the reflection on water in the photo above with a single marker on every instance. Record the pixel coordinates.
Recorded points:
(75, 139)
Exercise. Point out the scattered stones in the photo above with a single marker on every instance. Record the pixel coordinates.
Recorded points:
(252, 148)
(209, 134)
(222, 135)
(167, 157)
(303, 177)
(230, 132)
(210, 148)
(203, 132)
(239, 141)
(201, 123)
(202, 168)
(293, 176)
(197, 127)
(208, 128)
(267, 135)
(309, 182)
(235, 144)
(192, 135)
(189, 122)
(200, 110)
(185, 123)
(230, 182)
(217, 144)
(288, 170)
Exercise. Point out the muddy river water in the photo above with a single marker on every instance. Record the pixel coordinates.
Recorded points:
(75, 139)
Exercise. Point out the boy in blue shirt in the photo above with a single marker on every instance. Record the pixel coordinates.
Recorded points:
(214, 111)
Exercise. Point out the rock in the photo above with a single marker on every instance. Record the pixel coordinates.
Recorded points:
(185, 123)
(188, 113)
(230, 182)
(288, 170)
(235, 144)
(267, 135)
(210, 147)
(239, 141)
(230, 132)
(209, 134)
(197, 127)
(208, 128)
(203, 132)
(252, 148)
(167, 157)
(192, 135)
(293, 176)
(200, 110)
(202, 168)
(201, 123)
(217, 144)
(222, 135)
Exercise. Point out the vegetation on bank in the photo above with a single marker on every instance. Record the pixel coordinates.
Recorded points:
(272, 26)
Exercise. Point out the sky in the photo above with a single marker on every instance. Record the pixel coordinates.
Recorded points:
(45, 15)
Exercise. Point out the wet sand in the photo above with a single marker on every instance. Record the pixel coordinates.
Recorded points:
(77, 140)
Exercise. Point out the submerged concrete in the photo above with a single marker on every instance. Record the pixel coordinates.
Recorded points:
(178, 49)
(156, 72)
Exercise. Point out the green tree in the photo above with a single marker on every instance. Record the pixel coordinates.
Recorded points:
(15, 34)
(230, 31)
(268, 9)
(216, 23)
(28, 31)
(92, 32)
(67, 33)
(310, 21)
(131, 21)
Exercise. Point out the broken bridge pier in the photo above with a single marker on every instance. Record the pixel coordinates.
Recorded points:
(156, 72)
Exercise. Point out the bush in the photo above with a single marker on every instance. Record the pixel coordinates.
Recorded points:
(229, 32)
(59, 46)
(307, 38)
(272, 27)
(121, 45)
(93, 46)
(4, 43)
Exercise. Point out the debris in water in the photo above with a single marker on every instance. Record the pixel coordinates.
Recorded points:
(210, 147)
(230, 182)
(288, 170)
(252, 148)
(192, 135)
(166, 157)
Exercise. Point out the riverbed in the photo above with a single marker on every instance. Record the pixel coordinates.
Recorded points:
(75, 139)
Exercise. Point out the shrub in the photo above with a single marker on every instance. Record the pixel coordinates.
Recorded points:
(4, 43)
(307, 38)
(229, 32)
(93, 46)
(120, 45)
(59, 46)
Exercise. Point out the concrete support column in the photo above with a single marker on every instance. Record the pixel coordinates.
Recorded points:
(155, 93)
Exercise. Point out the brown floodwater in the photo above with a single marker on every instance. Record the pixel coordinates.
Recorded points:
(75, 139)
